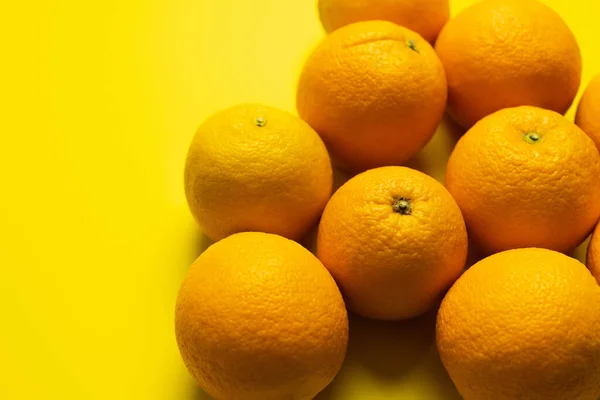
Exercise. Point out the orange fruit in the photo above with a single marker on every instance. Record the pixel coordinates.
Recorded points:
(424, 17)
(526, 177)
(255, 168)
(375, 92)
(593, 254)
(588, 111)
(394, 239)
(507, 53)
(258, 317)
(523, 324)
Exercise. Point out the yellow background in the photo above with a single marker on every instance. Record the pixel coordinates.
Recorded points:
(99, 100)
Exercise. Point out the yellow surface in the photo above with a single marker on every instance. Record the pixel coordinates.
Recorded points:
(99, 102)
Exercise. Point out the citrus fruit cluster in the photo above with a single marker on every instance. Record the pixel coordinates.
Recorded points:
(261, 317)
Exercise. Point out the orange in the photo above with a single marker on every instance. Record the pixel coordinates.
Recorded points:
(526, 177)
(375, 92)
(523, 324)
(394, 239)
(588, 111)
(255, 168)
(424, 17)
(593, 254)
(507, 53)
(258, 317)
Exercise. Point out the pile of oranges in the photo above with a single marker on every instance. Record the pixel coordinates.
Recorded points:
(260, 317)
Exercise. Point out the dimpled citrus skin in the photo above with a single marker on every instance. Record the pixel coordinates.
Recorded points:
(588, 111)
(255, 168)
(374, 100)
(424, 17)
(391, 265)
(523, 324)
(258, 317)
(508, 53)
(593, 254)
(513, 193)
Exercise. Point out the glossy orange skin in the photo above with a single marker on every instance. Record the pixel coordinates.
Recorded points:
(375, 92)
(391, 265)
(258, 317)
(588, 111)
(507, 53)
(253, 167)
(516, 194)
(523, 324)
(424, 17)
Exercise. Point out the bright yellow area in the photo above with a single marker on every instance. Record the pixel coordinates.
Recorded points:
(99, 102)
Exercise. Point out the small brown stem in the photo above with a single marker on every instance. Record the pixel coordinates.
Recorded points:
(260, 122)
(412, 45)
(402, 205)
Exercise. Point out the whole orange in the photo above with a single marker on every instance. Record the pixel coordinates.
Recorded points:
(424, 17)
(507, 53)
(588, 111)
(593, 254)
(523, 324)
(258, 317)
(394, 239)
(375, 92)
(255, 168)
(526, 177)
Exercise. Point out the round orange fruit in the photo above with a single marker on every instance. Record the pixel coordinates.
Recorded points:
(394, 239)
(507, 53)
(255, 168)
(424, 17)
(526, 177)
(523, 324)
(588, 111)
(258, 317)
(593, 254)
(375, 92)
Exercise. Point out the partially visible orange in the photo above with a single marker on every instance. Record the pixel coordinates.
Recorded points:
(424, 17)
(255, 168)
(506, 53)
(394, 239)
(526, 177)
(258, 317)
(375, 92)
(523, 324)
(588, 111)
(593, 254)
